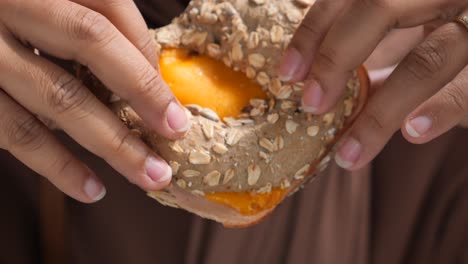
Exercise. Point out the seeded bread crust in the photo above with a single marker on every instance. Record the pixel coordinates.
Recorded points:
(274, 144)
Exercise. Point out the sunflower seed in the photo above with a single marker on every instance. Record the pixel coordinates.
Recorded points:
(237, 54)
(264, 156)
(267, 144)
(348, 107)
(285, 184)
(220, 148)
(246, 121)
(208, 18)
(227, 61)
(301, 173)
(250, 72)
(213, 50)
(194, 109)
(253, 41)
(174, 166)
(181, 183)
(298, 87)
(275, 86)
(324, 163)
(257, 111)
(272, 118)
(271, 104)
(313, 131)
(294, 15)
(284, 92)
(286, 105)
(256, 60)
(228, 175)
(253, 174)
(194, 38)
(265, 189)
(199, 157)
(276, 34)
(194, 12)
(258, 103)
(291, 126)
(212, 178)
(209, 114)
(176, 147)
(233, 137)
(190, 173)
(328, 118)
(208, 130)
(279, 143)
(258, 2)
(263, 78)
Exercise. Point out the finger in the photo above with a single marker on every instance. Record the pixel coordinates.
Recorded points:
(70, 31)
(49, 91)
(347, 44)
(127, 18)
(394, 47)
(30, 142)
(353, 38)
(299, 55)
(420, 75)
(440, 113)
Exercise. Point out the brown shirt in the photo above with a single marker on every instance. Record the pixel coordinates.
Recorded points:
(409, 206)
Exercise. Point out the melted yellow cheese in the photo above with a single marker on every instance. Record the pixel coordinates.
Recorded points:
(198, 79)
(248, 203)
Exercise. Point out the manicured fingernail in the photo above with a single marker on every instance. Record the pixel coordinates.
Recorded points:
(418, 126)
(349, 153)
(290, 64)
(312, 97)
(94, 188)
(158, 170)
(177, 118)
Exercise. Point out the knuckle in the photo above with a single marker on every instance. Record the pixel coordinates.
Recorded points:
(23, 131)
(60, 166)
(147, 47)
(456, 96)
(121, 140)
(326, 58)
(66, 94)
(309, 26)
(373, 120)
(90, 26)
(148, 83)
(427, 59)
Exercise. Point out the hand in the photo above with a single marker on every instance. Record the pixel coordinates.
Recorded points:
(111, 38)
(425, 96)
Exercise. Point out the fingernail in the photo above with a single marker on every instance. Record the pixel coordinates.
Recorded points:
(290, 64)
(312, 97)
(158, 170)
(94, 188)
(177, 118)
(349, 153)
(418, 126)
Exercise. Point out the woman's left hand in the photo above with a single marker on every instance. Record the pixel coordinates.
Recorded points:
(425, 96)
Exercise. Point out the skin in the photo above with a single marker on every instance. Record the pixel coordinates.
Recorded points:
(111, 38)
(425, 95)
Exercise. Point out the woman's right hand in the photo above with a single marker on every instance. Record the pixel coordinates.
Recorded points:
(111, 38)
